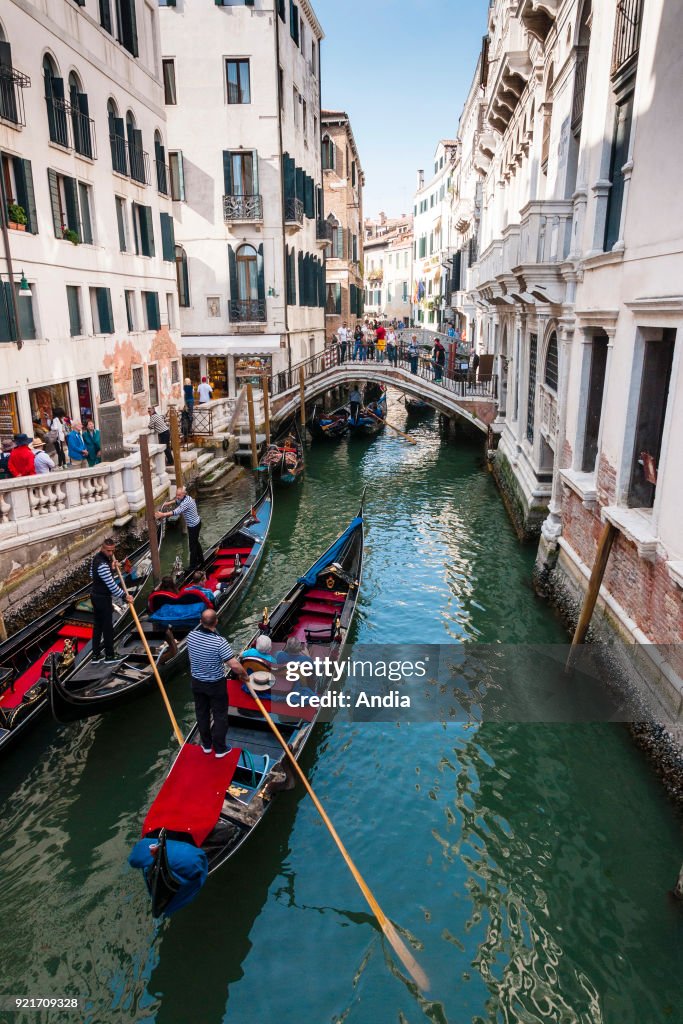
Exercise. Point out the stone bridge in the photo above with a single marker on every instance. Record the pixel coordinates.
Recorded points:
(473, 401)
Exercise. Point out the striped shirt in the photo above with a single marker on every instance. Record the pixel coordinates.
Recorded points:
(157, 423)
(187, 508)
(101, 567)
(208, 652)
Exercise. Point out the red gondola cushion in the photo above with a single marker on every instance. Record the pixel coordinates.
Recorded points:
(237, 698)
(76, 632)
(326, 595)
(234, 551)
(224, 574)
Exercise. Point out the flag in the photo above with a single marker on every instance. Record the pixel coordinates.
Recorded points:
(420, 291)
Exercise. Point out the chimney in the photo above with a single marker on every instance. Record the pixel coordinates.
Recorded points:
(420, 179)
(382, 217)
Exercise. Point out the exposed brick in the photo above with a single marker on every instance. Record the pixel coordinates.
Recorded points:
(606, 484)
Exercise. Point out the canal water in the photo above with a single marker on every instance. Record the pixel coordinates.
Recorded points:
(527, 864)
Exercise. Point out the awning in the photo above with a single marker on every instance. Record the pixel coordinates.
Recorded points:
(229, 345)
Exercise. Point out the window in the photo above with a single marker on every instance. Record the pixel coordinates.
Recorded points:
(131, 318)
(247, 289)
(117, 139)
(281, 10)
(17, 178)
(333, 299)
(121, 222)
(618, 157)
(150, 306)
(71, 203)
(182, 278)
(531, 390)
(596, 388)
(105, 16)
(304, 119)
(167, 237)
(238, 81)
(240, 172)
(626, 35)
(281, 87)
(551, 364)
(100, 306)
(81, 124)
(314, 58)
(291, 277)
(294, 21)
(73, 298)
(8, 325)
(137, 158)
(138, 380)
(175, 363)
(168, 70)
(105, 386)
(153, 384)
(56, 103)
(302, 34)
(296, 99)
(422, 250)
(143, 230)
(177, 176)
(328, 153)
(127, 33)
(657, 362)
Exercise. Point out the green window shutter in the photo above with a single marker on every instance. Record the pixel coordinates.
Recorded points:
(150, 230)
(152, 303)
(290, 176)
(136, 229)
(338, 309)
(105, 16)
(300, 184)
(232, 272)
(8, 325)
(128, 27)
(302, 284)
(310, 197)
(167, 238)
(86, 222)
(260, 273)
(104, 312)
(170, 3)
(227, 172)
(55, 203)
(72, 212)
(248, 3)
(25, 194)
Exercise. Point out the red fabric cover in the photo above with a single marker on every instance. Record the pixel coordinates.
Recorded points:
(198, 594)
(326, 595)
(76, 632)
(191, 797)
(237, 698)
(234, 551)
(28, 678)
(315, 608)
(222, 575)
(305, 622)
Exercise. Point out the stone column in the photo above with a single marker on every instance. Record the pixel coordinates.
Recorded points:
(552, 527)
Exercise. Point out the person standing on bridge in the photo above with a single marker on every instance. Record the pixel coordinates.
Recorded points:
(413, 353)
(359, 344)
(392, 347)
(343, 337)
(439, 360)
(381, 343)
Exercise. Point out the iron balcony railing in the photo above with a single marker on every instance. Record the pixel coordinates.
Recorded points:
(131, 161)
(242, 208)
(70, 127)
(323, 231)
(12, 84)
(294, 211)
(200, 424)
(626, 33)
(163, 177)
(243, 311)
(579, 88)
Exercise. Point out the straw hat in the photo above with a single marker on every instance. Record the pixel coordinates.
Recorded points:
(261, 681)
(37, 443)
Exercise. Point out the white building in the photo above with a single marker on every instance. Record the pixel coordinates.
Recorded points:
(389, 266)
(82, 145)
(432, 239)
(246, 179)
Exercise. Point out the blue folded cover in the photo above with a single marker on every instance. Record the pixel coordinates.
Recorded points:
(187, 613)
(188, 864)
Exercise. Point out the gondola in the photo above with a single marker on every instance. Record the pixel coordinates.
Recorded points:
(329, 426)
(207, 806)
(284, 457)
(370, 419)
(230, 566)
(417, 406)
(59, 642)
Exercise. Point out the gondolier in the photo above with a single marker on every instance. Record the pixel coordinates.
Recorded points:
(186, 507)
(104, 589)
(209, 652)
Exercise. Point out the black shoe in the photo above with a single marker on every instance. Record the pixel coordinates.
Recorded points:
(224, 753)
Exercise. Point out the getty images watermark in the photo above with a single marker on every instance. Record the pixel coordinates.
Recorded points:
(460, 683)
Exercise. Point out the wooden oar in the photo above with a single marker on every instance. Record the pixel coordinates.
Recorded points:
(155, 670)
(407, 436)
(395, 940)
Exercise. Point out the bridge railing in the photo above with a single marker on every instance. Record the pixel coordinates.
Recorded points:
(462, 383)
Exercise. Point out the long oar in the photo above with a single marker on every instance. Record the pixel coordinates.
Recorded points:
(155, 670)
(395, 940)
(407, 436)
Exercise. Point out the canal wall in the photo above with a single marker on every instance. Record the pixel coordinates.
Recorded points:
(527, 519)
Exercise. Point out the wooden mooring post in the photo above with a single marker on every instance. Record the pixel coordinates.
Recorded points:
(266, 407)
(175, 444)
(302, 395)
(149, 506)
(252, 426)
(599, 566)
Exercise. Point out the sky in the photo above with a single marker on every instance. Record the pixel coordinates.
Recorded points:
(401, 69)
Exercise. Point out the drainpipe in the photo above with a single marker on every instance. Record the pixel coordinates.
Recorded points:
(276, 20)
(8, 258)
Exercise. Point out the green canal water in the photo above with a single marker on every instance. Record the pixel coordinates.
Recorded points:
(527, 864)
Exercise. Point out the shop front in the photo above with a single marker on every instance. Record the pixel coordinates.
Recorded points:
(228, 362)
(46, 399)
(9, 417)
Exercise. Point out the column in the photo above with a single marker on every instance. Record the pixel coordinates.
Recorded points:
(552, 527)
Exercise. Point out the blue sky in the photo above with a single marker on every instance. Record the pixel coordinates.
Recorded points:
(401, 69)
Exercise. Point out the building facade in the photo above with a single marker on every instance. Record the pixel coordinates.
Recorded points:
(88, 221)
(343, 201)
(388, 267)
(246, 182)
(432, 245)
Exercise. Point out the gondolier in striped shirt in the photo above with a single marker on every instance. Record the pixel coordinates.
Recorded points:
(104, 589)
(186, 507)
(209, 652)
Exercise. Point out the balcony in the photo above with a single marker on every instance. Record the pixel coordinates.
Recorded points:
(242, 209)
(294, 214)
(513, 75)
(131, 161)
(247, 311)
(12, 84)
(626, 36)
(538, 17)
(163, 177)
(549, 414)
(70, 127)
(323, 233)
(544, 243)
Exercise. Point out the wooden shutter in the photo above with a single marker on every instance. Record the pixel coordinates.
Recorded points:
(128, 27)
(152, 303)
(302, 284)
(73, 215)
(260, 274)
(290, 176)
(310, 198)
(105, 16)
(8, 98)
(167, 238)
(232, 272)
(227, 172)
(25, 195)
(84, 205)
(8, 324)
(53, 186)
(104, 312)
(84, 124)
(150, 230)
(338, 307)
(300, 183)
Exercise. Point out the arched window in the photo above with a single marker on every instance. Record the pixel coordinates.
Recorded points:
(136, 157)
(56, 106)
(328, 154)
(11, 84)
(182, 276)
(336, 237)
(117, 139)
(81, 124)
(160, 164)
(247, 274)
(551, 364)
(247, 287)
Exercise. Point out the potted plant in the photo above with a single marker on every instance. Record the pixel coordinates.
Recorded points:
(70, 235)
(17, 217)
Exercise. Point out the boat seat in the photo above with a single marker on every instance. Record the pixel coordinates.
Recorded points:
(325, 595)
(316, 608)
(75, 632)
(224, 574)
(233, 551)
